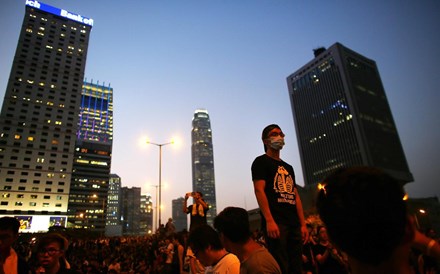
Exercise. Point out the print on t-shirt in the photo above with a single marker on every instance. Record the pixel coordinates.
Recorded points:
(283, 184)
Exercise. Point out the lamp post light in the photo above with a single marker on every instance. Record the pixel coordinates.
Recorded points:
(160, 174)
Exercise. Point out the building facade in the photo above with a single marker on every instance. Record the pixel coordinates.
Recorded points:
(131, 211)
(92, 158)
(179, 217)
(146, 223)
(39, 116)
(342, 116)
(203, 160)
(113, 217)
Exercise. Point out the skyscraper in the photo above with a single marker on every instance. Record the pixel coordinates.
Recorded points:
(179, 217)
(39, 117)
(92, 158)
(203, 160)
(146, 223)
(342, 116)
(114, 225)
(131, 211)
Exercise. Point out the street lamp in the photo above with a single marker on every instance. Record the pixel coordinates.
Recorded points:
(160, 173)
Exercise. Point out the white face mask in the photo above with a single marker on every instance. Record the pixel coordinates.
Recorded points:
(276, 142)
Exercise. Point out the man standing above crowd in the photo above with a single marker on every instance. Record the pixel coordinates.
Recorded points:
(197, 210)
(233, 226)
(10, 262)
(282, 214)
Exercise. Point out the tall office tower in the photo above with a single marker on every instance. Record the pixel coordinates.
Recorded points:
(342, 117)
(203, 160)
(92, 159)
(179, 217)
(131, 210)
(114, 226)
(146, 223)
(39, 117)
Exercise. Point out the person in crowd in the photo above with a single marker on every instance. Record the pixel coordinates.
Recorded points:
(365, 213)
(282, 214)
(329, 259)
(427, 264)
(178, 257)
(195, 266)
(233, 226)
(50, 251)
(114, 265)
(170, 228)
(208, 249)
(308, 258)
(197, 210)
(10, 261)
(168, 253)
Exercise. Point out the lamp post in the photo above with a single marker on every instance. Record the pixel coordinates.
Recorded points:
(155, 215)
(160, 174)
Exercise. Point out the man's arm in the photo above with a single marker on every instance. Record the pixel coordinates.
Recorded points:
(302, 220)
(185, 207)
(271, 226)
(202, 202)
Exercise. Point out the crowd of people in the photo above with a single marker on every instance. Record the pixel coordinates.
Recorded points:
(363, 227)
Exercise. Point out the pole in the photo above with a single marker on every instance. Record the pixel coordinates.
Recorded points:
(160, 175)
(160, 183)
(157, 207)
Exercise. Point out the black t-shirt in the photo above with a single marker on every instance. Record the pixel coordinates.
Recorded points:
(196, 219)
(280, 188)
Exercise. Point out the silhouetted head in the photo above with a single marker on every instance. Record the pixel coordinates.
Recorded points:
(364, 211)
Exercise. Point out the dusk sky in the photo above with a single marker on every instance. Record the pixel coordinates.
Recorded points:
(165, 59)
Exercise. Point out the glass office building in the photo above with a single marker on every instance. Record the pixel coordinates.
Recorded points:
(92, 159)
(342, 116)
(39, 116)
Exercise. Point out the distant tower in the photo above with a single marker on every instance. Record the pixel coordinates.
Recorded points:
(179, 217)
(39, 117)
(114, 200)
(92, 158)
(131, 211)
(146, 223)
(203, 160)
(342, 117)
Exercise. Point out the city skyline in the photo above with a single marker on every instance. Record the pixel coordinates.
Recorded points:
(233, 59)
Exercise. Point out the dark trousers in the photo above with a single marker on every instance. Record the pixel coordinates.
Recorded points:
(287, 250)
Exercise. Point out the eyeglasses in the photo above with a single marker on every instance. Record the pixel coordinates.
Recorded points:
(275, 134)
(50, 251)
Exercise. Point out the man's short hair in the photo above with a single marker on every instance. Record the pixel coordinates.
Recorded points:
(204, 236)
(364, 211)
(233, 223)
(9, 223)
